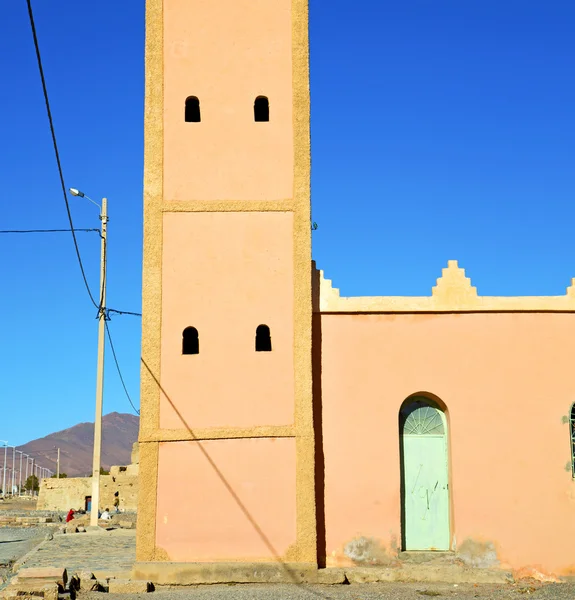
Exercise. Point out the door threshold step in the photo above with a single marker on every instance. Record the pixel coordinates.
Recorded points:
(422, 556)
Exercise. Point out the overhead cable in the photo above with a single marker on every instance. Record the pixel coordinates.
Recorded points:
(58, 162)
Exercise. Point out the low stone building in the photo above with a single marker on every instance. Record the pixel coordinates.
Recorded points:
(76, 492)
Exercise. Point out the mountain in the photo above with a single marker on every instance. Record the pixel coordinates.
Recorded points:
(119, 432)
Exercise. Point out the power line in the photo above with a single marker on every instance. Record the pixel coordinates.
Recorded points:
(43, 230)
(118, 367)
(108, 310)
(122, 312)
(55, 144)
(99, 305)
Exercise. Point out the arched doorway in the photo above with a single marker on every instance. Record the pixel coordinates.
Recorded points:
(424, 475)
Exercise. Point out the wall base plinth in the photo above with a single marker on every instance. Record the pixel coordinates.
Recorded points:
(174, 573)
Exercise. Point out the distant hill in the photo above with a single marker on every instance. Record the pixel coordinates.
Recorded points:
(119, 432)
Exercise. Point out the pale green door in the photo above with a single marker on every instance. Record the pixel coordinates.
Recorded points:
(425, 481)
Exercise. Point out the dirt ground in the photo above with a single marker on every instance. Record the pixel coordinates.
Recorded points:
(366, 591)
(17, 504)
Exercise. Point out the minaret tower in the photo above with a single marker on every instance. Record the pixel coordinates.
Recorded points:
(226, 434)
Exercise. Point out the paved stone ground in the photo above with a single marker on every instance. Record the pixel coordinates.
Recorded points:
(14, 543)
(102, 551)
(366, 591)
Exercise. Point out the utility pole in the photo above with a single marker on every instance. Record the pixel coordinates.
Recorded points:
(13, 470)
(102, 315)
(100, 371)
(58, 465)
(20, 474)
(4, 470)
(32, 479)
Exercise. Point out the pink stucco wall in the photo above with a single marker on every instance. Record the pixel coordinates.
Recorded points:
(226, 54)
(225, 274)
(507, 382)
(226, 500)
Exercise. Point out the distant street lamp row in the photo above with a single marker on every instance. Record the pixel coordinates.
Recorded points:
(18, 470)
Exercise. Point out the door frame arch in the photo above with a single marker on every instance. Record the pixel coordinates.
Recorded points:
(435, 402)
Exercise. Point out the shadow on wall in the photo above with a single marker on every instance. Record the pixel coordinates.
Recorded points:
(291, 573)
(316, 345)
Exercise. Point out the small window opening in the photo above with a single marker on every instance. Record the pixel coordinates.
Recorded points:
(192, 110)
(263, 339)
(261, 109)
(572, 433)
(190, 341)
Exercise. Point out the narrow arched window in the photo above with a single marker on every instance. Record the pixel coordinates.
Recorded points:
(261, 109)
(192, 110)
(190, 341)
(572, 434)
(263, 339)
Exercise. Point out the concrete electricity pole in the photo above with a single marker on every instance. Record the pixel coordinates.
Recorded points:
(58, 465)
(100, 367)
(100, 374)
(4, 470)
(13, 469)
(20, 473)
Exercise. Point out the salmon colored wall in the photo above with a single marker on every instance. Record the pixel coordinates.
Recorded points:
(507, 381)
(226, 499)
(227, 53)
(225, 274)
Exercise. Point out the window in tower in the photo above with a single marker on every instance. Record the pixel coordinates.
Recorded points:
(190, 341)
(263, 339)
(192, 110)
(261, 109)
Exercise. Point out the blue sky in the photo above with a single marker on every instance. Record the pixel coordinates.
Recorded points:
(439, 130)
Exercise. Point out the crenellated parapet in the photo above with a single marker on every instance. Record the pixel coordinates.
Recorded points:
(452, 293)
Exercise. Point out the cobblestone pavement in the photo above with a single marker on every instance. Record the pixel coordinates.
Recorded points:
(14, 543)
(366, 591)
(102, 551)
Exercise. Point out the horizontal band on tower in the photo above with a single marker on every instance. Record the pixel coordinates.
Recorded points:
(228, 206)
(219, 433)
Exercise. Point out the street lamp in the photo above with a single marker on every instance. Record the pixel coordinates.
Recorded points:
(4, 470)
(58, 464)
(20, 473)
(29, 466)
(100, 368)
(13, 469)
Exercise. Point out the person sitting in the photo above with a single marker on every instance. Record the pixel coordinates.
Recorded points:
(70, 515)
(106, 514)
